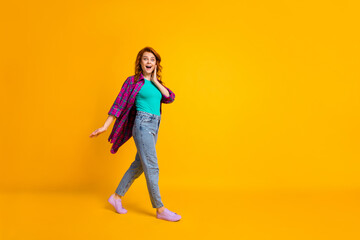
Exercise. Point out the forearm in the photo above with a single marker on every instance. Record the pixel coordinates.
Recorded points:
(108, 121)
(162, 89)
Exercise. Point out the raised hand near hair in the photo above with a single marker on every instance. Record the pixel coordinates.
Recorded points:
(154, 77)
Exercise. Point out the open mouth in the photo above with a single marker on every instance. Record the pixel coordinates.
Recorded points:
(148, 67)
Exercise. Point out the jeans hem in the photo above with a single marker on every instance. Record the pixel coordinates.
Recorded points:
(119, 194)
(160, 206)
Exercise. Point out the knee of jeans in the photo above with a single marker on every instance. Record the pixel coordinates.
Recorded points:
(138, 173)
(136, 165)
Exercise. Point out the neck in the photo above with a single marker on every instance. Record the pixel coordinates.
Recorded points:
(147, 76)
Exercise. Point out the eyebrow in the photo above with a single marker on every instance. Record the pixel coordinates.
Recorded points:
(146, 56)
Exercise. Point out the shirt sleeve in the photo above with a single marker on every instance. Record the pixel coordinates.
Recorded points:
(168, 99)
(121, 100)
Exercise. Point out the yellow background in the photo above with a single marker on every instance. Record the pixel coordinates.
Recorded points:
(267, 99)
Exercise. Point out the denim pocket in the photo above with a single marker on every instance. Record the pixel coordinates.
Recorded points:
(145, 119)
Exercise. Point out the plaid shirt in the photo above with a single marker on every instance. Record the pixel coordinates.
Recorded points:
(125, 112)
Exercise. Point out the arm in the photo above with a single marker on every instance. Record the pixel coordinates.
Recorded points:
(116, 109)
(103, 128)
(162, 88)
(167, 95)
(108, 121)
(168, 99)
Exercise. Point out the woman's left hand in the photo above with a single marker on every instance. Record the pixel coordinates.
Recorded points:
(154, 77)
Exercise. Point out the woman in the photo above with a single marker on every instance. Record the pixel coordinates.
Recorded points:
(137, 110)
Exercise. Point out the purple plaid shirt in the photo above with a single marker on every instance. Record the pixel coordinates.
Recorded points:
(125, 111)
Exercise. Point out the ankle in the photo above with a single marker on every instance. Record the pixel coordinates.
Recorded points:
(117, 196)
(160, 209)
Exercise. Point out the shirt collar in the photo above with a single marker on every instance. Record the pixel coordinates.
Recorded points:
(141, 77)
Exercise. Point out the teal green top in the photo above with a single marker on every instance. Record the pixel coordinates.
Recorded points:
(148, 98)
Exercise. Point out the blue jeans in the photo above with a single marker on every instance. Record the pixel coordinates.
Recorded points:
(145, 133)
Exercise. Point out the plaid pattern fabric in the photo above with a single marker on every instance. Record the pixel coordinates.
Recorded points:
(124, 110)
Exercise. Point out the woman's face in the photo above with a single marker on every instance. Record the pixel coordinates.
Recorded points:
(148, 62)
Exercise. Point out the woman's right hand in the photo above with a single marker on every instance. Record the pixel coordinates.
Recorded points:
(98, 131)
